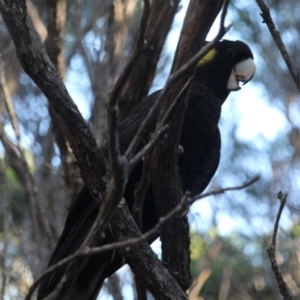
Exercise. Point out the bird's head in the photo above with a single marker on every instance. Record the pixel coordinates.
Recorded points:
(223, 68)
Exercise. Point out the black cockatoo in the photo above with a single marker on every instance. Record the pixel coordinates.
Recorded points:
(217, 74)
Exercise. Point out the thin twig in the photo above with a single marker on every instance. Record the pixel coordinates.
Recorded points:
(174, 104)
(283, 288)
(223, 190)
(282, 197)
(144, 237)
(277, 38)
(156, 137)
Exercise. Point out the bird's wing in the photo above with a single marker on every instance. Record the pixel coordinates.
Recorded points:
(200, 139)
(81, 217)
(205, 166)
(132, 123)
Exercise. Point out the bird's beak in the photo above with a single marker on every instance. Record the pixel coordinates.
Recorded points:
(242, 72)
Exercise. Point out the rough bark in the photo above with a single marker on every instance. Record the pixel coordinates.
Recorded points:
(143, 261)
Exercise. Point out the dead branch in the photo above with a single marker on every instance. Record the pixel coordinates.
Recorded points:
(267, 18)
(283, 288)
(222, 190)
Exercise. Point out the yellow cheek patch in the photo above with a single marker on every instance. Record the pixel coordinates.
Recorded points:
(207, 58)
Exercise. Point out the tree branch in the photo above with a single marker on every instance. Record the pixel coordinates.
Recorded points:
(277, 38)
(283, 288)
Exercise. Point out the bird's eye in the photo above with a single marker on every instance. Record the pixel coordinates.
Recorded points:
(230, 53)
